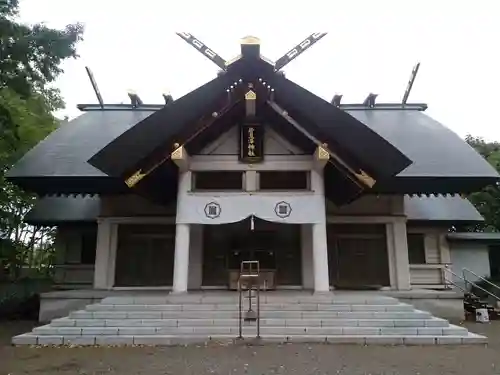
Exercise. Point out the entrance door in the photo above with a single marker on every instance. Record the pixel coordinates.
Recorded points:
(357, 256)
(275, 246)
(145, 255)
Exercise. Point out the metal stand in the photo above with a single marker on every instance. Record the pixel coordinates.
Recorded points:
(249, 281)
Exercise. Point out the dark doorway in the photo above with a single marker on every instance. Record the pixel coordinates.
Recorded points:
(277, 247)
(357, 256)
(145, 255)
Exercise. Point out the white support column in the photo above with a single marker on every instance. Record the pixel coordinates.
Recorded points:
(391, 253)
(401, 265)
(182, 236)
(251, 181)
(112, 254)
(319, 239)
(103, 255)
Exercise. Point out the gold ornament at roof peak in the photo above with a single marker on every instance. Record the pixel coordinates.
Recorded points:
(250, 95)
(250, 40)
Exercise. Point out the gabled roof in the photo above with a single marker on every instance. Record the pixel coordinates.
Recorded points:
(57, 210)
(436, 151)
(365, 145)
(58, 164)
(347, 135)
(171, 124)
(64, 153)
(198, 112)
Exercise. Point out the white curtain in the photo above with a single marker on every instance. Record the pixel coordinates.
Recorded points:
(222, 209)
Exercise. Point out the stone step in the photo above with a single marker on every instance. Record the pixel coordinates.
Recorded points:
(415, 314)
(32, 339)
(168, 320)
(265, 330)
(235, 307)
(67, 322)
(328, 298)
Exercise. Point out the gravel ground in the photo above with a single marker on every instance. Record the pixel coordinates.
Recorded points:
(297, 359)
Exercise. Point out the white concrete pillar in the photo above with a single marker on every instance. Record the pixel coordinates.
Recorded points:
(391, 253)
(103, 254)
(401, 264)
(113, 247)
(319, 238)
(251, 181)
(182, 237)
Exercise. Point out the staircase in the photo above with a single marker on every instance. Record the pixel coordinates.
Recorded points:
(293, 317)
(488, 299)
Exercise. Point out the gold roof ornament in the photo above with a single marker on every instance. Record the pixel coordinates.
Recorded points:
(365, 178)
(323, 154)
(251, 95)
(178, 153)
(250, 40)
(135, 178)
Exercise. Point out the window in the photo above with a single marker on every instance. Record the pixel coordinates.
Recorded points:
(416, 248)
(294, 180)
(78, 244)
(220, 180)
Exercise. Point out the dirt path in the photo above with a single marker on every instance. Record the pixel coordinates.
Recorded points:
(268, 359)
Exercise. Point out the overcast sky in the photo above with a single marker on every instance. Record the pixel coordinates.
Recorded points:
(371, 47)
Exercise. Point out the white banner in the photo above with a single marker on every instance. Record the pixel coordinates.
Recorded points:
(232, 208)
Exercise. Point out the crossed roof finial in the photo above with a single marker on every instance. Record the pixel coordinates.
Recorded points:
(251, 41)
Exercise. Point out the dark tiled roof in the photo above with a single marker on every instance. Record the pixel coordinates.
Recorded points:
(86, 209)
(173, 123)
(441, 208)
(434, 149)
(64, 153)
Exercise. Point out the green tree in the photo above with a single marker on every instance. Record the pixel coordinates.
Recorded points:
(487, 201)
(30, 61)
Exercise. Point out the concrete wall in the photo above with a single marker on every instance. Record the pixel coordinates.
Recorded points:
(471, 255)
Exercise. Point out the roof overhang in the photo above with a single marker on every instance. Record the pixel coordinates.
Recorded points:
(360, 158)
(481, 237)
(434, 184)
(54, 185)
(157, 133)
(342, 132)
